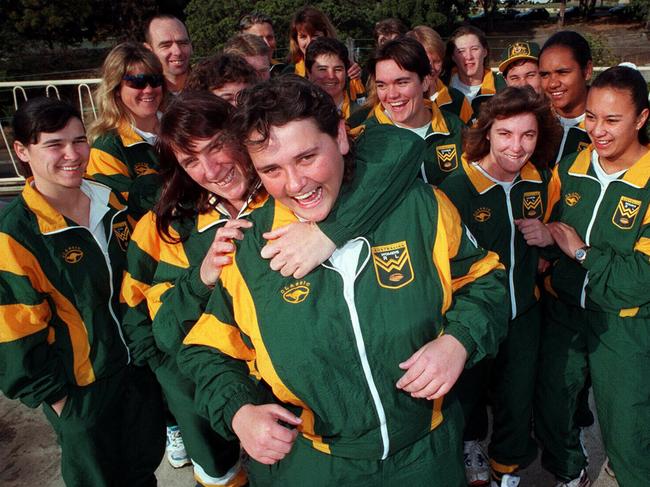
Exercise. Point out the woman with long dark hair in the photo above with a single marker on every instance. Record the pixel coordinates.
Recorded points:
(598, 306)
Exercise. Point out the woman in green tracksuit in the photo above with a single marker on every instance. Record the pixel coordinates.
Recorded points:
(598, 316)
(165, 288)
(369, 413)
(565, 66)
(501, 198)
(400, 71)
(63, 243)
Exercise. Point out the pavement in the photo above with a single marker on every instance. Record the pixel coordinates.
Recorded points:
(29, 454)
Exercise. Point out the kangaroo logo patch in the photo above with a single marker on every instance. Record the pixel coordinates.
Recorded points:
(572, 199)
(296, 292)
(520, 49)
(626, 212)
(447, 157)
(482, 214)
(122, 233)
(72, 255)
(392, 265)
(532, 204)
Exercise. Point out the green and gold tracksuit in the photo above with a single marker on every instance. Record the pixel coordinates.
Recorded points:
(574, 139)
(490, 85)
(157, 267)
(125, 162)
(60, 337)
(166, 296)
(599, 320)
(453, 101)
(490, 209)
(328, 346)
(443, 140)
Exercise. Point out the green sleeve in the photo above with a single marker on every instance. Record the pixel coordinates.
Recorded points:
(619, 280)
(214, 356)
(30, 369)
(478, 316)
(388, 159)
(182, 303)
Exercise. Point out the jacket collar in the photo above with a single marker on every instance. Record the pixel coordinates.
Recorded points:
(345, 106)
(128, 136)
(220, 214)
(488, 86)
(482, 183)
(300, 68)
(49, 219)
(637, 175)
(442, 94)
(438, 124)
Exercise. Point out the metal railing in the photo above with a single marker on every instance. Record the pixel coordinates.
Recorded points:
(11, 179)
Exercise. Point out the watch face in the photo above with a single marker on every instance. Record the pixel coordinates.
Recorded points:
(581, 254)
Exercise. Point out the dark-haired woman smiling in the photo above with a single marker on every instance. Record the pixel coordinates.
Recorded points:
(599, 315)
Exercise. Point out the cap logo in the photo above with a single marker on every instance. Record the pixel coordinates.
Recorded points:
(520, 49)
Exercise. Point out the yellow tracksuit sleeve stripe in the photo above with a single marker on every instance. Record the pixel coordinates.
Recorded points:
(554, 193)
(22, 320)
(101, 162)
(18, 260)
(154, 297)
(246, 317)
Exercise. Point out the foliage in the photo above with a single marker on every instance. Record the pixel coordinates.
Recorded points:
(212, 22)
(600, 52)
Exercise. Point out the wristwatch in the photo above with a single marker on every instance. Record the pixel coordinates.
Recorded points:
(581, 254)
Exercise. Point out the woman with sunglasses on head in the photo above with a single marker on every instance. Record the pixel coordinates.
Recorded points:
(129, 98)
(598, 310)
(446, 97)
(63, 243)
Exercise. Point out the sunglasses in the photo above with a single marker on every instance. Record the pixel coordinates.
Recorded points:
(140, 81)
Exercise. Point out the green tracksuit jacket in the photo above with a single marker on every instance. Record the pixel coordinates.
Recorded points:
(52, 336)
(127, 164)
(322, 343)
(453, 101)
(490, 85)
(574, 139)
(615, 223)
(443, 141)
(489, 212)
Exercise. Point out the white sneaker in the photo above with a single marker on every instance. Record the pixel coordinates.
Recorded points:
(176, 454)
(508, 480)
(581, 481)
(477, 467)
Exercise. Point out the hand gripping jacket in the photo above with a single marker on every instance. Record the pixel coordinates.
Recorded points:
(127, 164)
(615, 222)
(59, 316)
(329, 345)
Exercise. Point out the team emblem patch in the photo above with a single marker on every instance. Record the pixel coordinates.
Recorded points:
(392, 265)
(532, 204)
(72, 255)
(447, 157)
(582, 146)
(572, 199)
(482, 214)
(626, 212)
(520, 49)
(142, 168)
(122, 233)
(296, 292)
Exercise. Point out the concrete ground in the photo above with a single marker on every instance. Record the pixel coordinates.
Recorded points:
(29, 454)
